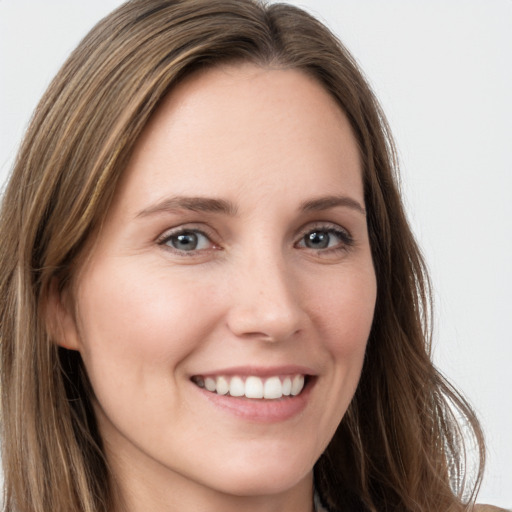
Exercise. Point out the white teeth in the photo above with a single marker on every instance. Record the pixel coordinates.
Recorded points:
(253, 387)
(236, 387)
(297, 384)
(222, 386)
(209, 384)
(273, 388)
(287, 386)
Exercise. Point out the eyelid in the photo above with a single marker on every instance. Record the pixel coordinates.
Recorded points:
(343, 233)
(186, 228)
(329, 227)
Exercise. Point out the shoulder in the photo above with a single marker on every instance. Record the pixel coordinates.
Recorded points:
(488, 508)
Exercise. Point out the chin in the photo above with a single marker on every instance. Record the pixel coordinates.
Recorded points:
(250, 478)
(265, 483)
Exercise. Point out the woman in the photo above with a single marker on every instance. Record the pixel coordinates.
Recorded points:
(211, 299)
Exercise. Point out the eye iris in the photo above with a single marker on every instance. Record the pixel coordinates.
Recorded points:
(317, 240)
(185, 241)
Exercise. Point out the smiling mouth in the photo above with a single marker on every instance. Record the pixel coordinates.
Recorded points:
(270, 388)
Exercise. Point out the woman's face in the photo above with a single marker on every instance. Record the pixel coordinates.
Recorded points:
(234, 261)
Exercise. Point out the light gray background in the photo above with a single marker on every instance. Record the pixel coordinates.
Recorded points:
(442, 70)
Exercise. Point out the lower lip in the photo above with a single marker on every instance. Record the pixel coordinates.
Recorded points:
(261, 410)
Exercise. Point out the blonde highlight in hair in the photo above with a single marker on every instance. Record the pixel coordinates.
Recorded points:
(399, 447)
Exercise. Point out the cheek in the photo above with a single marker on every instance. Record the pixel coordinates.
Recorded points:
(345, 312)
(130, 317)
(343, 315)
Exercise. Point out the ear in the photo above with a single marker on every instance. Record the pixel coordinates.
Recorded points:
(59, 315)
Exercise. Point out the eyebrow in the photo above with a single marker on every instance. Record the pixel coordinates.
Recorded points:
(195, 204)
(222, 206)
(328, 202)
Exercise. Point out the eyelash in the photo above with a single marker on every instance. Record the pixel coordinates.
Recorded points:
(174, 233)
(346, 239)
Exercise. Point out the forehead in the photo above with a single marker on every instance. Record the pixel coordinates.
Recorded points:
(237, 125)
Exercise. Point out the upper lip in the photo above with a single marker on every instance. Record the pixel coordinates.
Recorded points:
(259, 371)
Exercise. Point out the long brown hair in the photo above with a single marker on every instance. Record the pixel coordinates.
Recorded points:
(400, 445)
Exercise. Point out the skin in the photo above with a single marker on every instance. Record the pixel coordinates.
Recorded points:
(147, 316)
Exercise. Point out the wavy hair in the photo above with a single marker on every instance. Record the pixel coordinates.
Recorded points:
(400, 447)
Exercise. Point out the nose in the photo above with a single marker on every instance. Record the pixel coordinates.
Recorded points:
(265, 301)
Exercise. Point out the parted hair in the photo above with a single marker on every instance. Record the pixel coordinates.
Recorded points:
(402, 444)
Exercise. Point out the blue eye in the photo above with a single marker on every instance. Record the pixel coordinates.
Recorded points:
(325, 238)
(187, 241)
(317, 240)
